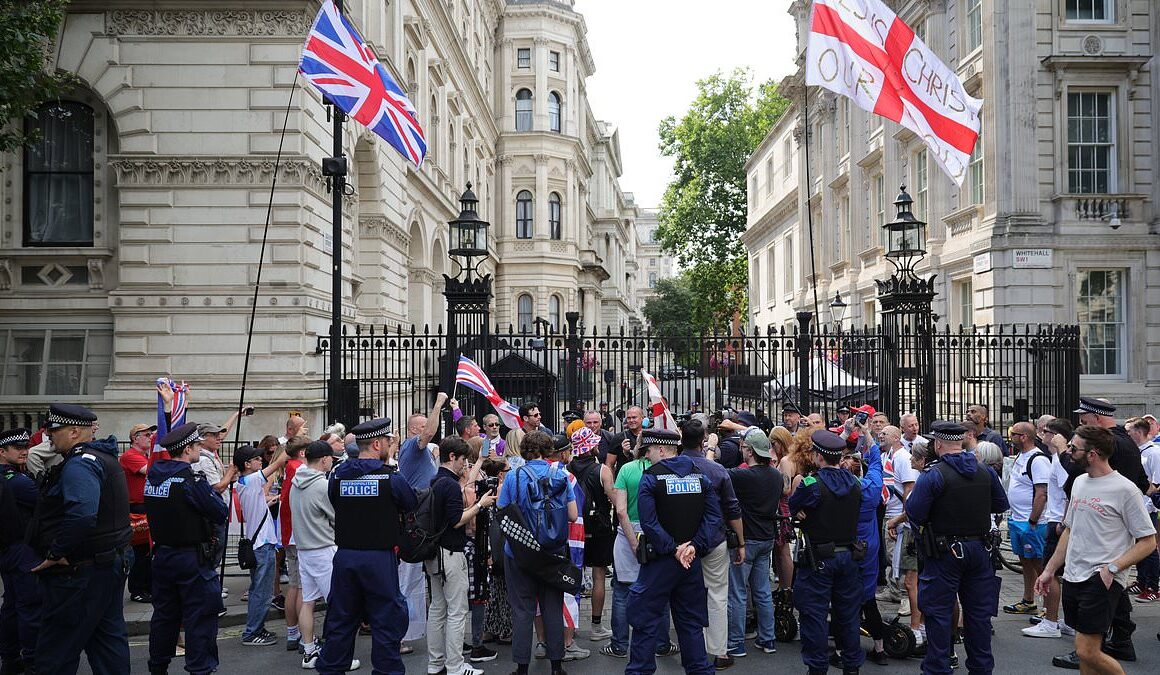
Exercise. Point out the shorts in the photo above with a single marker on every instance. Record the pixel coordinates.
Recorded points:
(1027, 542)
(292, 566)
(1089, 606)
(908, 561)
(598, 550)
(315, 566)
(1049, 546)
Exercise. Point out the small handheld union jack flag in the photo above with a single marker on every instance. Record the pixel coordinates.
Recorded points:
(345, 69)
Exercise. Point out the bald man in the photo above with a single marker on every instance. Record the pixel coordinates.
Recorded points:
(1027, 494)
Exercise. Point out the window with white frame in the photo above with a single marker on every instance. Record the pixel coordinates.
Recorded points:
(921, 186)
(555, 106)
(61, 361)
(1091, 142)
(974, 25)
(524, 110)
(524, 57)
(755, 278)
(847, 241)
(554, 61)
(880, 208)
(652, 279)
(786, 158)
(1090, 10)
(964, 294)
(769, 175)
(844, 133)
(975, 171)
(771, 274)
(787, 264)
(524, 313)
(1100, 314)
(554, 313)
(524, 224)
(555, 217)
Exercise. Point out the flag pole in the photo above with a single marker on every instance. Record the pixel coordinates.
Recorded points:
(337, 173)
(809, 207)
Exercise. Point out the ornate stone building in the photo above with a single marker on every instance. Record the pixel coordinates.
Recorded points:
(130, 236)
(1056, 221)
(653, 264)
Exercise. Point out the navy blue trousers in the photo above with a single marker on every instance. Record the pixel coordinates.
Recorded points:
(364, 584)
(663, 583)
(83, 611)
(20, 611)
(185, 593)
(833, 590)
(972, 579)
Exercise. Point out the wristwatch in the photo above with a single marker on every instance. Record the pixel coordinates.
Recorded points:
(1113, 568)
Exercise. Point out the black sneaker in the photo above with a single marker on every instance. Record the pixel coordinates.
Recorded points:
(480, 654)
(293, 645)
(259, 640)
(723, 662)
(669, 650)
(1066, 661)
(279, 603)
(145, 598)
(878, 657)
(1122, 650)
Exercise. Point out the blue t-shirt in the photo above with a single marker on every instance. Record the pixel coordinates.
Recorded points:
(416, 464)
(515, 489)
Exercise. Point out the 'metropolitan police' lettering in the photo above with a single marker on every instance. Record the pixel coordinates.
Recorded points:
(675, 485)
(162, 490)
(358, 488)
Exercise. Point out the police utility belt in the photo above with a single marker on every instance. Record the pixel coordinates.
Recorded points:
(102, 558)
(931, 545)
(813, 555)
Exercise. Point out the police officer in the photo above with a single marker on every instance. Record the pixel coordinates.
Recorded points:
(952, 501)
(81, 528)
(368, 498)
(828, 580)
(680, 515)
(183, 512)
(20, 613)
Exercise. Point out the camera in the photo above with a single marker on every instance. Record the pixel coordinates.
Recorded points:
(486, 485)
(248, 410)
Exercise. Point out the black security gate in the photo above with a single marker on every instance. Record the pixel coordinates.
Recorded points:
(1019, 371)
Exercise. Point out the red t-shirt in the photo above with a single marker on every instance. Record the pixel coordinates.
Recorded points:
(284, 523)
(132, 461)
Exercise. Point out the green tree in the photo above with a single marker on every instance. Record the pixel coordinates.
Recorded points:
(703, 210)
(669, 317)
(26, 29)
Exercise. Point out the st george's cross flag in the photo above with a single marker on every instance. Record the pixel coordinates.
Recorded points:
(862, 50)
(470, 375)
(658, 406)
(345, 69)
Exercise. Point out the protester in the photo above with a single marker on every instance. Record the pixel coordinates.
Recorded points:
(629, 439)
(293, 595)
(1027, 494)
(980, 415)
(135, 463)
(870, 533)
(259, 529)
(1052, 625)
(314, 539)
(597, 482)
(1148, 569)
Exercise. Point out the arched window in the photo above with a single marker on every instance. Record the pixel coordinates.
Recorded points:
(58, 176)
(524, 226)
(554, 112)
(524, 110)
(524, 313)
(433, 137)
(555, 217)
(554, 313)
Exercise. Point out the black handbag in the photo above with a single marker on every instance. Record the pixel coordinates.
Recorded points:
(247, 559)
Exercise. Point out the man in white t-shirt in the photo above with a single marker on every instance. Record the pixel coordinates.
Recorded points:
(1051, 433)
(898, 534)
(890, 440)
(1148, 570)
(258, 525)
(908, 423)
(1107, 531)
(1027, 494)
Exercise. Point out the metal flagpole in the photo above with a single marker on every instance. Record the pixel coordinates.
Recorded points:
(335, 168)
(809, 207)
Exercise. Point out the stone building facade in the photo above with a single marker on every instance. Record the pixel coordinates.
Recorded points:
(654, 265)
(129, 237)
(1056, 221)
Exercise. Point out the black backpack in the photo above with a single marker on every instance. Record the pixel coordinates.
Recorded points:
(1031, 460)
(9, 525)
(597, 518)
(418, 536)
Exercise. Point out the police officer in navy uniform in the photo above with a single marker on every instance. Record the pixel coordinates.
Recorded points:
(81, 529)
(828, 579)
(680, 515)
(368, 497)
(20, 613)
(952, 502)
(183, 512)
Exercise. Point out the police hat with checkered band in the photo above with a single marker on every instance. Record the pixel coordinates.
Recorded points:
(1096, 406)
(69, 415)
(941, 430)
(18, 437)
(180, 437)
(660, 437)
(372, 429)
(829, 444)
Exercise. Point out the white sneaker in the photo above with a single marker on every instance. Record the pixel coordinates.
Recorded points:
(575, 652)
(1043, 629)
(310, 660)
(599, 633)
(904, 609)
(1065, 629)
(355, 663)
(467, 670)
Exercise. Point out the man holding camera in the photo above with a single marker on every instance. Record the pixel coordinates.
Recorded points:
(680, 517)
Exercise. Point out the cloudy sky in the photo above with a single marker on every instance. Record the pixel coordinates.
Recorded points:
(649, 55)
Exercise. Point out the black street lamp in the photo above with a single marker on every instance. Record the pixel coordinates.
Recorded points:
(838, 308)
(468, 234)
(905, 236)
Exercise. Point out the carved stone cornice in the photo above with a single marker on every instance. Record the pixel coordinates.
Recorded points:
(422, 276)
(541, 159)
(214, 171)
(375, 222)
(208, 22)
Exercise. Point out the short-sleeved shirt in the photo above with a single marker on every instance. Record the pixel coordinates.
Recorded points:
(1021, 489)
(132, 462)
(416, 463)
(252, 497)
(759, 489)
(1150, 458)
(1106, 516)
(628, 479)
(285, 518)
(1056, 497)
(903, 473)
(211, 467)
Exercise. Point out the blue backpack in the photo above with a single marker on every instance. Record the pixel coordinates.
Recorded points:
(547, 515)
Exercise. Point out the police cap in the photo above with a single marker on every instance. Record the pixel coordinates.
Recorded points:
(570, 416)
(1097, 406)
(828, 443)
(317, 450)
(560, 442)
(181, 436)
(18, 437)
(941, 430)
(660, 437)
(69, 415)
(372, 429)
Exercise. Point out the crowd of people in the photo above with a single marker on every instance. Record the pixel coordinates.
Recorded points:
(482, 539)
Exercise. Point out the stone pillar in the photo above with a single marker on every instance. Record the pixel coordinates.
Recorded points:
(568, 210)
(505, 205)
(506, 103)
(540, 206)
(540, 95)
(419, 283)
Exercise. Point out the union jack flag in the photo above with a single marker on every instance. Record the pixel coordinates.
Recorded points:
(345, 69)
(470, 375)
(177, 416)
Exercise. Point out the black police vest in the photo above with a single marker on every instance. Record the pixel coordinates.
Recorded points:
(835, 519)
(680, 502)
(112, 527)
(964, 507)
(365, 517)
(173, 520)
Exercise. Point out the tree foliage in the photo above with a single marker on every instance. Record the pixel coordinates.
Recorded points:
(668, 313)
(703, 210)
(27, 27)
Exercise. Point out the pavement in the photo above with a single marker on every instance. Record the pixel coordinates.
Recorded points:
(1014, 653)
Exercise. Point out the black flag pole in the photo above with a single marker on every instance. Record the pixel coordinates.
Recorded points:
(335, 168)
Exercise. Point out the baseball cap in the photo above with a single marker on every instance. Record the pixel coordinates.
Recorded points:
(317, 450)
(246, 453)
(137, 428)
(757, 441)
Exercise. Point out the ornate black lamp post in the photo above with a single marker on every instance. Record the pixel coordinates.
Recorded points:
(838, 308)
(907, 318)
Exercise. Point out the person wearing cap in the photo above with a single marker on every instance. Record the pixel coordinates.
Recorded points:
(20, 612)
(596, 480)
(729, 442)
(561, 458)
(828, 502)
(1027, 495)
(135, 463)
(81, 529)
(1148, 569)
(869, 531)
(314, 537)
(259, 528)
(183, 512)
(952, 501)
(791, 417)
(758, 486)
(680, 517)
(368, 498)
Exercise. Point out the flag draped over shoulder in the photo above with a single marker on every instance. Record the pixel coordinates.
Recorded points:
(345, 69)
(862, 50)
(658, 406)
(470, 375)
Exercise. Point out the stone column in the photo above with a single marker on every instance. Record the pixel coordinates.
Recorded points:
(540, 207)
(540, 96)
(419, 283)
(505, 206)
(568, 210)
(506, 103)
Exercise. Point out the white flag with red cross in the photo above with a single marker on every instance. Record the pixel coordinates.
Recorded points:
(862, 50)
(658, 406)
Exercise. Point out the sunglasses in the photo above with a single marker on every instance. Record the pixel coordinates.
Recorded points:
(492, 424)
(1071, 448)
